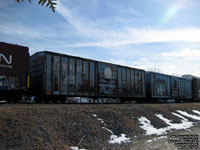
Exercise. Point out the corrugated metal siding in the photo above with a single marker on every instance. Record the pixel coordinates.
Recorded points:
(131, 82)
(185, 89)
(139, 88)
(158, 85)
(72, 83)
(47, 76)
(107, 79)
(86, 86)
(37, 69)
(64, 75)
(92, 79)
(73, 76)
(56, 75)
(196, 88)
(79, 76)
(181, 88)
(174, 87)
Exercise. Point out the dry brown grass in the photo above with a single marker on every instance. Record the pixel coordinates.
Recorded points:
(58, 127)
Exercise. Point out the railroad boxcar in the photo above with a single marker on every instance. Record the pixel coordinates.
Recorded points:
(164, 87)
(181, 89)
(195, 86)
(14, 69)
(196, 89)
(60, 76)
(157, 86)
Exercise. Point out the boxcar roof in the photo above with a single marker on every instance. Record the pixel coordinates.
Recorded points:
(59, 54)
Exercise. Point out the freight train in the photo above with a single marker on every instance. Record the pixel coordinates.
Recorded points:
(50, 76)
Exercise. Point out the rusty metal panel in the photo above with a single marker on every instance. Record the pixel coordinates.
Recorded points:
(92, 79)
(107, 79)
(188, 89)
(56, 75)
(64, 75)
(124, 81)
(136, 85)
(48, 74)
(14, 66)
(140, 83)
(185, 88)
(120, 91)
(71, 84)
(86, 84)
(158, 85)
(196, 88)
(128, 81)
(79, 77)
(132, 82)
(174, 85)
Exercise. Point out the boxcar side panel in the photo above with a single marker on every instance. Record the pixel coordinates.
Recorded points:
(132, 82)
(71, 84)
(56, 75)
(64, 75)
(79, 76)
(107, 79)
(92, 79)
(37, 65)
(158, 85)
(14, 67)
(196, 89)
(120, 89)
(86, 86)
(47, 75)
(174, 85)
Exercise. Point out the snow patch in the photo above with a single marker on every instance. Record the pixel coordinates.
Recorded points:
(158, 138)
(164, 119)
(175, 114)
(196, 111)
(161, 137)
(114, 139)
(76, 148)
(150, 129)
(188, 115)
(149, 141)
(101, 120)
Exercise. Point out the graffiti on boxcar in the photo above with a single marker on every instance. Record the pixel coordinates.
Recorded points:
(11, 83)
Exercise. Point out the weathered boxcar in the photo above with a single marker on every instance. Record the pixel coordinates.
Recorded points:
(181, 89)
(60, 76)
(157, 85)
(196, 89)
(195, 86)
(161, 86)
(14, 69)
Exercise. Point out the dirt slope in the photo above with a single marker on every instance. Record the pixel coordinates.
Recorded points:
(59, 127)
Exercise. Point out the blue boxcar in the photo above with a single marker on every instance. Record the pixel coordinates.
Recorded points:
(161, 86)
(181, 88)
(157, 85)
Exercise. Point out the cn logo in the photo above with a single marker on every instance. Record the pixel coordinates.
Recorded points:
(7, 60)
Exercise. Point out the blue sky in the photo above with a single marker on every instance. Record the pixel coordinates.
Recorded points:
(159, 34)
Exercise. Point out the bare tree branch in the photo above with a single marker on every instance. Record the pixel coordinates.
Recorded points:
(49, 3)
